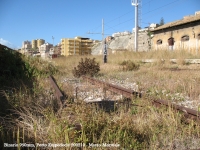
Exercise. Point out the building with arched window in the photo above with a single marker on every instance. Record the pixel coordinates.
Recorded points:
(183, 34)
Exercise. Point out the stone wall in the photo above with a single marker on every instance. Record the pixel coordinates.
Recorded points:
(185, 37)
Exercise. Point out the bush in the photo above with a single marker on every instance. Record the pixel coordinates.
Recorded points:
(88, 67)
(129, 65)
(36, 67)
(11, 64)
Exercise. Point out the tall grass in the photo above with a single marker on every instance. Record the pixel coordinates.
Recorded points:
(141, 126)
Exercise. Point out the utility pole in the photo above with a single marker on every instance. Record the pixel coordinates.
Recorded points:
(135, 3)
(74, 47)
(102, 29)
(53, 39)
(104, 46)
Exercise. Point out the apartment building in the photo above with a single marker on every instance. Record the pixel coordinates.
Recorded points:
(26, 46)
(37, 43)
(45, 47)
(76, 46)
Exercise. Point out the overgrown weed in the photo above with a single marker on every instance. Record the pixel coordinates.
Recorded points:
(141, 126)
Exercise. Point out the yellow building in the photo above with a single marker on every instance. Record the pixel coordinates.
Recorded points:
(76, 46)
(37, 43)
(40, 42)
(34, 44)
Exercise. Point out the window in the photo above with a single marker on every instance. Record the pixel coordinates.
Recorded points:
(171, 41)
(185, 38)
(159, 42)
(198, 37)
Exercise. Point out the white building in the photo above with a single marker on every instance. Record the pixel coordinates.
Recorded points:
(153, 25)
(45, 47)
(26, 46)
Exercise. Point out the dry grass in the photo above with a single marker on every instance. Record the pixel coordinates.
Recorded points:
(141, 126)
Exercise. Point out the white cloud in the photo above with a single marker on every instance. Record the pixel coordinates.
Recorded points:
(7, 43)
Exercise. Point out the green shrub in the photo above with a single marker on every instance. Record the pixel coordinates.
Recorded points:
(36, 67)
(128, 65)
(88, 67)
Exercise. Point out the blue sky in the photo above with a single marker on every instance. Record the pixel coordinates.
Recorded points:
(22, 20)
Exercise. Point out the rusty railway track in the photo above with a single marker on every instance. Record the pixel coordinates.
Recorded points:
(114, 88)
(57, 92)
(187, 112)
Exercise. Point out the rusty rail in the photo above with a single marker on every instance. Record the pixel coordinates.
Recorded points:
(58, 93)
(187, 112)
(114, 88)
(60, 97)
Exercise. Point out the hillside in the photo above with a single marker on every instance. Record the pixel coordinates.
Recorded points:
(125, 42)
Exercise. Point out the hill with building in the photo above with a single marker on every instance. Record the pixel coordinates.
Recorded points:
(176, 35)
(183, 34)
(122, 41)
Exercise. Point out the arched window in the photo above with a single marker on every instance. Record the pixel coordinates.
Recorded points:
(171, 41)
(159, 42)
(198, 37)
(185, 38)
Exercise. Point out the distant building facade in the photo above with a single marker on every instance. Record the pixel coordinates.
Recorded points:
(178, 35)
(37, 43)
(26, 46)
(45, 47)
(76, 46)
(117, 34)
(57, 49)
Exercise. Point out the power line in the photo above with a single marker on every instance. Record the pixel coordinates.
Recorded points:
(115, 19)
(125, 13)
(133, 17)
(172, 6)
(110, 27)
(145, 13)
(120, 23)
(161, 7)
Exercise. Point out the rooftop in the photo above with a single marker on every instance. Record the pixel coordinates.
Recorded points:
(186, 19)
